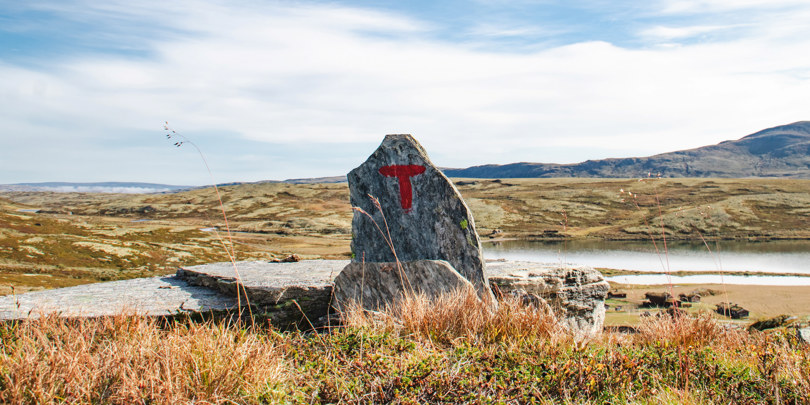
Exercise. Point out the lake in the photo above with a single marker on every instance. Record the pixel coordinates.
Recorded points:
(763, 257)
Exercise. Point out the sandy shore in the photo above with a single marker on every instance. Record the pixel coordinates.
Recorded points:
(761, 301)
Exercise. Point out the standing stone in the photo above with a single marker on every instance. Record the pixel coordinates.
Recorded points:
(425, 214)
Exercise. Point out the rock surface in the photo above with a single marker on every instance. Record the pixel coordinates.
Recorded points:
(577, 294)
(273, 289)
(377, 285)
(154, 296)
(424, 213)
(803, 334)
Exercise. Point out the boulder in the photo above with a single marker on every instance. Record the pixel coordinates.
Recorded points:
(803, 334)
(576, 294)
(771, 323)
(378, 285)
(421, 215)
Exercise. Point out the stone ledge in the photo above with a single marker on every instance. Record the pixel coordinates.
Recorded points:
(154, 296)
(274, 288)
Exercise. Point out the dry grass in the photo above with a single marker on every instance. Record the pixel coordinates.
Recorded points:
(454, 350)
(134, 360)
(461, 316)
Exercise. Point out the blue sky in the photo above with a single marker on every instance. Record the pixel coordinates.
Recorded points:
(275, 90)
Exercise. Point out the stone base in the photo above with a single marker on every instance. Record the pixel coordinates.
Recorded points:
(376, 286)
(577, 294)
(285, 292)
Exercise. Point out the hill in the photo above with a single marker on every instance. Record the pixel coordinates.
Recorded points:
(782, 151)
(102, 187)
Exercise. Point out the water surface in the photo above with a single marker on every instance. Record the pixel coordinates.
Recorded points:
(765, 257)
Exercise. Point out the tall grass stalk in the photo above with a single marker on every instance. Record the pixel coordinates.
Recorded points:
(403, 278)
(171, 134)
(663, 259)
(461, 316)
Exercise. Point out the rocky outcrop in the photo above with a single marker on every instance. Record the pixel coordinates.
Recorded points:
(292, 293)
(421, 215)
(375, 286)
(299, 293)
(577, 294)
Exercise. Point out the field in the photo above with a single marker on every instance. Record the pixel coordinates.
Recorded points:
(462, 354)
(78, 238)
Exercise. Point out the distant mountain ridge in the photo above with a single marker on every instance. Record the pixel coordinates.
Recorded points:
(782, 151)
(101, 187)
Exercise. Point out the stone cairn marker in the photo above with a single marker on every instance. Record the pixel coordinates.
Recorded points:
(421, 216)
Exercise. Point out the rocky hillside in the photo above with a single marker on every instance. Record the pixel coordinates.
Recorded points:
(782, 151)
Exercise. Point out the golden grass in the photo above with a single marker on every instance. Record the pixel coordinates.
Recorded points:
(133, 360)
(461, 316)
(455, 349)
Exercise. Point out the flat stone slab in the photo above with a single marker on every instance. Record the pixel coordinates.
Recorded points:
(274, 278)
(154, 296)
(274, 289)
(284, 293)
(803, 334)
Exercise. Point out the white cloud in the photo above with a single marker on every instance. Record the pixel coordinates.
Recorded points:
(703, 6)
(671, 33)
(322, 73)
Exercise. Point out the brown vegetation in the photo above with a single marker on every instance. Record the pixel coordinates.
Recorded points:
(465, 353)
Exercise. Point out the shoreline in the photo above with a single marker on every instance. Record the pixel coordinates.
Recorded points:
(762, 302)
(608, 272)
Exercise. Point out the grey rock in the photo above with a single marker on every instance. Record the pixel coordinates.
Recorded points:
(577, 293)
(376, 286)
(421, 209)
(154, 296)
(803, 334)
(286, 293)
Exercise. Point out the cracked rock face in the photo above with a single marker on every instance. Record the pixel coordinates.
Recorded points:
(421, 209)
(577, 294)
(375, 286)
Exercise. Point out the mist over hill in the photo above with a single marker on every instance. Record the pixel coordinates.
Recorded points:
(782, 151)
(102, 187)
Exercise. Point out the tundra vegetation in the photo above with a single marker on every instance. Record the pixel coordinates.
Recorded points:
(517, 354)
(452, 351)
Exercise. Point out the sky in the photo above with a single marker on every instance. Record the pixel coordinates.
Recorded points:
(271, 90)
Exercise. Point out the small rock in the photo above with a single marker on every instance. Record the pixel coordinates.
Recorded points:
(289, 259)
(803, 334)
(771, 323)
